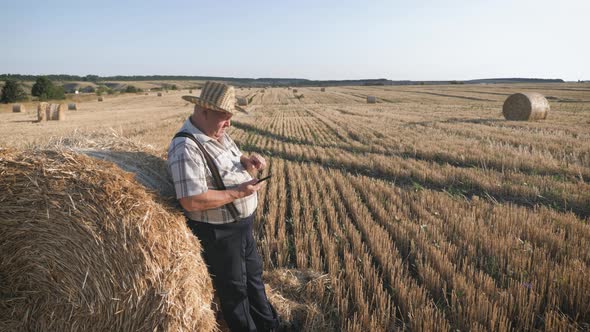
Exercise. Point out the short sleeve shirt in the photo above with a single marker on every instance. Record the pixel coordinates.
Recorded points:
(191, 175)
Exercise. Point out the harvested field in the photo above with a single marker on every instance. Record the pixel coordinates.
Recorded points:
(426, 211)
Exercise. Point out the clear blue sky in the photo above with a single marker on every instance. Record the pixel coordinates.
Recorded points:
(416, 40)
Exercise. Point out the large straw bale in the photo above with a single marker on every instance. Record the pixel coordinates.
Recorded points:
(42, 111)
(526, 106)
(84, 247)
(19, 108)
(72, 107)
(371, 99)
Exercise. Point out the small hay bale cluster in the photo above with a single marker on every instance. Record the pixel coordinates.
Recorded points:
(19, 108)
(48, 112)
(371, 99)
(84, 247)
(242, 101)
(72, 107)
(526, 107)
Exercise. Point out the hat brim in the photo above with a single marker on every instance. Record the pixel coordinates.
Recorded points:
(210, 106)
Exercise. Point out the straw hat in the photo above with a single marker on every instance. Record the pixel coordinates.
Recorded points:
(217, 97)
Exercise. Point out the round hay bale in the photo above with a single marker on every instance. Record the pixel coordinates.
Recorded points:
(72, 107)
(526, 106)
(190, 91)
(84, 247)
(42, 111)
(294, 90)
(19, 108)
(371, 99)
(323, 89)
(56, 112)
(159, 94)
(100, 98)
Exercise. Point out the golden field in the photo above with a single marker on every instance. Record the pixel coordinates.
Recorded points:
(427, 210)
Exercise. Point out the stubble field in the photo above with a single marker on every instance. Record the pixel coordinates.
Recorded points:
(426, 210)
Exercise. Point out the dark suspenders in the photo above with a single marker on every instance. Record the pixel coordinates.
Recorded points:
(214, 171)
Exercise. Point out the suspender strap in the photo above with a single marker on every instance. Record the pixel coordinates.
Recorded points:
(214, 171)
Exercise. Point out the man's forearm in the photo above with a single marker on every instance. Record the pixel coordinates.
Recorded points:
(210, 199)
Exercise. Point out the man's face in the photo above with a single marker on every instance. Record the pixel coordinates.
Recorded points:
(217, 122)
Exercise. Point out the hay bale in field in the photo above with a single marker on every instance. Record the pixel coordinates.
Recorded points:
(56, 112)
(100, 98)
(84, 247)
(190, 91)
(294, 90)
(242, 101)
(72, 107)
(371, 99)
(19, 108)
(159, 94)
(42, 111)
(323, 89)
(146, 93)
(525, 106)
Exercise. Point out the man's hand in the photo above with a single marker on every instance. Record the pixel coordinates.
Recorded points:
(248, 188)
(254, 162)
(212, 199)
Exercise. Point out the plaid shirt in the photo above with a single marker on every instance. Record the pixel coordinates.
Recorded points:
(191, 175)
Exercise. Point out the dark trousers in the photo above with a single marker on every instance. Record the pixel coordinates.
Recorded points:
(235, 266)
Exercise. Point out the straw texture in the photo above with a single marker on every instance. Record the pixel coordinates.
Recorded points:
(84, 247)
(526, 106)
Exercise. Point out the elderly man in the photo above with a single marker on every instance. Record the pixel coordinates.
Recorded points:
(219, 198)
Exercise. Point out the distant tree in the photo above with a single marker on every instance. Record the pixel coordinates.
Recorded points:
(12, 92)
(91, 78)
(45, 89)
(132, 89)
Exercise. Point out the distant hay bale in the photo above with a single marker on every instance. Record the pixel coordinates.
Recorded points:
(84, 247)
(242, 101)
(159, 94)
(371, 99)
(100, 98)
(146, 93)
(56, 112)
(42, 111)
(190, 91)
(19, 108)
(72, 107)
(323, 89)
(294, 90)
(526, 106)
